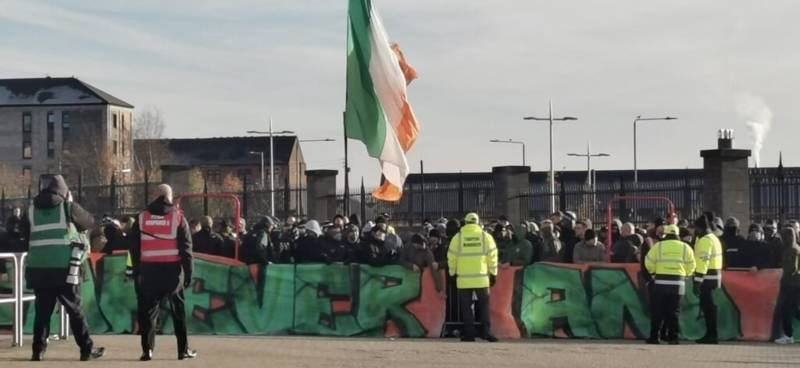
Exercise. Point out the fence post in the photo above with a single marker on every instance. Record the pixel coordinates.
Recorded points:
(112, 197)
(623, 215)
(29, 192)
(422, 188)
(244, 196)
(410, 199)
(562, 196)
(287, 195)
(460, 195)
(3, 204)
(687, 196)
(363, 197)
(205, 196)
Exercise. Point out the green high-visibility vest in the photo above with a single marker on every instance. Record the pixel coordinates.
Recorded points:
(52, 234)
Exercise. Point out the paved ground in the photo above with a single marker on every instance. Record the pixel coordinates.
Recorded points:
(229, 352)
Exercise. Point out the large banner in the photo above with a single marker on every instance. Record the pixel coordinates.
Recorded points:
(543, 300)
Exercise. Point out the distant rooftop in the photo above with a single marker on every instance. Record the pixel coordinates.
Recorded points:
(53, 91)
(219, 151)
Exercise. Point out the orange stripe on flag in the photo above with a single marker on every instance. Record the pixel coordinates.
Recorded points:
(387, 192)
(407, 130)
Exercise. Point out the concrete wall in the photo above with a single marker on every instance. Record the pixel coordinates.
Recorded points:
(510, 184)
(321, 194)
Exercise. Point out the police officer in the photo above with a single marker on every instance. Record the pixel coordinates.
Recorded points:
(708, 274)
(472, 259)
(670, 262)
(161, 252)
(56, 255)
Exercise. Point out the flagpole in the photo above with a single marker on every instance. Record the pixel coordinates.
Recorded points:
(346, 170)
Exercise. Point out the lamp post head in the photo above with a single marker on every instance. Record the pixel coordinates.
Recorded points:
(569, 118)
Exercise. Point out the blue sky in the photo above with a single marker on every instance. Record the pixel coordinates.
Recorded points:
(219, 68)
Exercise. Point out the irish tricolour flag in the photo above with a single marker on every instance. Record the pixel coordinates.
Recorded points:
(378, 112)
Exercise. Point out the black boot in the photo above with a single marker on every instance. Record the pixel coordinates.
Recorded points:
(146, 356)
(92, 354)
(187, 354)
(38, 355)
(708, 340)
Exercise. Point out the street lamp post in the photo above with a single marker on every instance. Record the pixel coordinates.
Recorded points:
(638, 119)
(591, 175)
(552, 173)
(260, 153)
(512, 142)
(271, 135)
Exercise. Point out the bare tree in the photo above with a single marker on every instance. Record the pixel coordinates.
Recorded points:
(149, 124)
(151, 152)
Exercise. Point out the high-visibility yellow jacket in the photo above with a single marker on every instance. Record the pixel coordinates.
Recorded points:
(708, 257)
(472, 257)
(670, 262)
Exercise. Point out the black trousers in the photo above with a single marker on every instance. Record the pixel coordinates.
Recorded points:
(70, 298)
(149, 302)
(465, 303)
(709, 310)
(791, 301)
(665, 311)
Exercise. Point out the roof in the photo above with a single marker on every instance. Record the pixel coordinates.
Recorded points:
(54, 91)
(219, 151)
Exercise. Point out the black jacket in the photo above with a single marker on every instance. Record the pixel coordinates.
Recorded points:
(163, 277)
(255, 247)
(208, 241)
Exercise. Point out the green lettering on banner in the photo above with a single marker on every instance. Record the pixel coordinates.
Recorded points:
(116, 295)
(324, 300)
(693, 325)
(615, 303)
(383, 294)
(554, 303)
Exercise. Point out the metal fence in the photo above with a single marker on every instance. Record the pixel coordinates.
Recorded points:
(774, 194)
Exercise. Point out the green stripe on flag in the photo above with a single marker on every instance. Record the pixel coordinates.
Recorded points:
(364, 117)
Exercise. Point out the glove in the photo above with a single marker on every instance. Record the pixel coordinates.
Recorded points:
(492, 280)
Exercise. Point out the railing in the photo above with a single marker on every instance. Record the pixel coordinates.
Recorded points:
(18, 296)
(18, 299)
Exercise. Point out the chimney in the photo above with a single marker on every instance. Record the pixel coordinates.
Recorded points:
(725, 139)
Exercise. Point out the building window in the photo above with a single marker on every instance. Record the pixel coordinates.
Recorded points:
(51, 135)
(26, 172)
(214, 177)
(27, 150)
(66, 122)
(27, 126)
(124, 152)
(114, 148)
(114, 121)
(27, 136)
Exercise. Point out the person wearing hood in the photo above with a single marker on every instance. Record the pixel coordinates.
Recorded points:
(308, 247)
(736, 248)
(161, 253)
(531, 234)
(551, 245)
(437, 245)
(53, 229)
(416, 256)
(569, 236)
(256, 247)
(518, 250)
(790, 285)
(707, 274)
(374, 250)
(334, 246)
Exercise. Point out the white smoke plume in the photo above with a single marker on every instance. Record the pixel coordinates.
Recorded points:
(758, 118)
